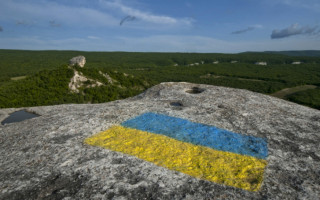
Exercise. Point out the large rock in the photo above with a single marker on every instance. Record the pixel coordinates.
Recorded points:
(46, 157)
(79, 60)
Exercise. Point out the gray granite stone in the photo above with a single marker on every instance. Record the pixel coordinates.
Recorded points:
(46, 158)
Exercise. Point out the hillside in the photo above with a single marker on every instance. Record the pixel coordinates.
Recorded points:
(14, 63)
(306, 53)
(51, 87)
(249, 146)
(242, 71)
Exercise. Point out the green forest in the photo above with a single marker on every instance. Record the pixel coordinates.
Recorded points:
(51, 87)
(33, 78)
(309, 98)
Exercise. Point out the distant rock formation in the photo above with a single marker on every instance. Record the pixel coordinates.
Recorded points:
(78, 78)
(261, 63)
(296, 63)
(46, 157)
(79, 60)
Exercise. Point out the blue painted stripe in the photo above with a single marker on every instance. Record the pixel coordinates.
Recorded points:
(200, 134)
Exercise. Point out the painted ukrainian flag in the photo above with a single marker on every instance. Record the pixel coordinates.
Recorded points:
(199, 150)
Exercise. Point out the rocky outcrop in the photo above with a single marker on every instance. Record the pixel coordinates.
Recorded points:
(78, 81)
(46, 157)
(79, 60)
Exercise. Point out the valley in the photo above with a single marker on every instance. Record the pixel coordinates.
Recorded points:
(34, 78)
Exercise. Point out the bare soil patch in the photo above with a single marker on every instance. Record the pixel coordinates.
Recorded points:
(18, 78)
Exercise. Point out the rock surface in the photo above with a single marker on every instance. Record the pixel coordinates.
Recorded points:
(46, 158)
(79, 60)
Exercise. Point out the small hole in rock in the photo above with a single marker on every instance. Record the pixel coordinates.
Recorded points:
(178, 104)
(195, 90)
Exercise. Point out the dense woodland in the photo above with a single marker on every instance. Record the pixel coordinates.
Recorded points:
(47, 75)
(50, 87)
(312, 53)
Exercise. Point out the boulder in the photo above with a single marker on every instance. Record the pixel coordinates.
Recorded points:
(49, 157)
(79, 60)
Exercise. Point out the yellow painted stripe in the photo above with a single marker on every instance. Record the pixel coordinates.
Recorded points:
(227, 168)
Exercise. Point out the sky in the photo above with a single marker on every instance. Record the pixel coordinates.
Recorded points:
(228, 26)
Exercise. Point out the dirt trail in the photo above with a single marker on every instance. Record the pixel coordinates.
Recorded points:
(220, 76)
(287, 91)
(18, 78)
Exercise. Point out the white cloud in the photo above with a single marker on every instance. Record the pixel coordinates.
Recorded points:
(74, 43)
(35, 11)
(181, 43)
(257, 26)
(157, 43)
(294, 29)
(101, 13)
(249, 28)
(307, 4)
(145, 16)
(93, 37)
(25, 23)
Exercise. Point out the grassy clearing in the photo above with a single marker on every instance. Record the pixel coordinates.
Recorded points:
(288, 91)
(310, 97)
(18, 78)
(215, 76)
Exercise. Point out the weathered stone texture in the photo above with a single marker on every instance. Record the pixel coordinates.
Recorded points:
(79, 60)
(45, 157)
